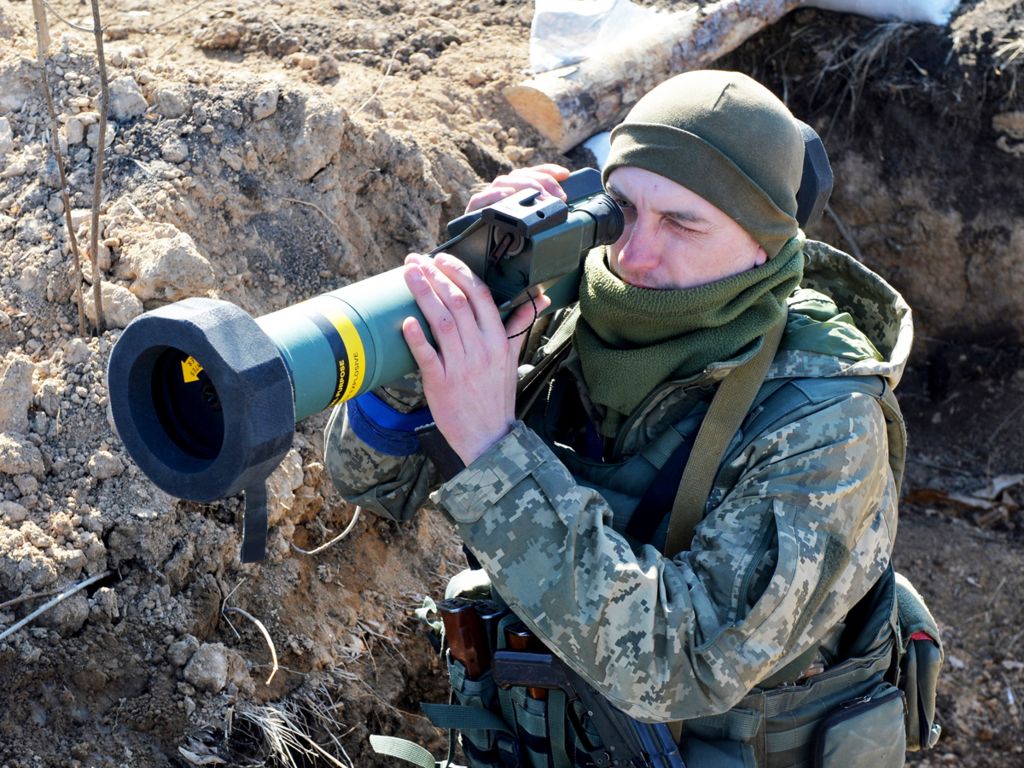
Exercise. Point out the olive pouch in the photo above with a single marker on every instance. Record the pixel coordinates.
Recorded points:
(920, 664)
(865, 732)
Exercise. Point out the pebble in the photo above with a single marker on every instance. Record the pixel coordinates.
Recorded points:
(16, 385)
(120, 306)
(170, 101)
(126, 99)
(174, 151)
(104, 465)
(74, 130)
(76, 352)
(207, 670)
(18, 456)
(265, 102)
(92, 137)
(6, 137)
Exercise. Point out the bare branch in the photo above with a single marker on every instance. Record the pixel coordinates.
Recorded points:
(57, 600)
(97, 187)
(335, 540)
(42, 45)
(266, 636)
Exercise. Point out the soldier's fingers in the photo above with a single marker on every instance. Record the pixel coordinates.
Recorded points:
(426, 357)
(476, 291)
(544, 178)
(438, 316)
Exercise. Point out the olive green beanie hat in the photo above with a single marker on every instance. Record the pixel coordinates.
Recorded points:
(725, 137)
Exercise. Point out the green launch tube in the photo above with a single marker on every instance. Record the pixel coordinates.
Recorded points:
(345, 342)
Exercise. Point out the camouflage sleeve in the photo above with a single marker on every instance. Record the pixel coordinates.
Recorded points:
(390, 486)
(806, 527)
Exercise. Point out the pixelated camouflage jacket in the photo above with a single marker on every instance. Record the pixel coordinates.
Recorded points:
(798, 526)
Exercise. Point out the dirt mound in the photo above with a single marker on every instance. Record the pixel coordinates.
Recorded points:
(266, 153)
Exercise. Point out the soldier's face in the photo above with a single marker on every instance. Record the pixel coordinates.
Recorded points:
(673, 237)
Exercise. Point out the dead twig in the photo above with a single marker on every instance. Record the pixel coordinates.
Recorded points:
(69, 23)
(186, 12)
(335, 540)
(316, 208)
(26, 598)
(97, 186)
(380, 83)
(42, 45)
(56, 601)
(263, 630)
(846, 233)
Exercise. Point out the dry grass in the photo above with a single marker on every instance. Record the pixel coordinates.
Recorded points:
(282, 733)
(1010, 63)
(853, 59)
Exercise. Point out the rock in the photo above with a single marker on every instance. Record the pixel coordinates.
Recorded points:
(420, 61)
(49, 395)
(17, 86)
(6, 137)
(170, 101)
(174, 151)
(16, 386)
(104, 604)
(92, 136)
(222, 35)
(19, 456)
(74, 129)
(120, 305)
(265, 102)
(281, 486)
(126, 99)
(68, 616)
(104, 465)
(207, 670)
(76, 352)
(178, 653)
(19, 167)
(12, 512)
(326, 68)
(320, 139)
(164, 263)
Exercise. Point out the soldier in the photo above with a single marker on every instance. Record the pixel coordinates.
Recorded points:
(768, 593)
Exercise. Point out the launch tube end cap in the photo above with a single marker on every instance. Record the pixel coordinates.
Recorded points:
(201, 398)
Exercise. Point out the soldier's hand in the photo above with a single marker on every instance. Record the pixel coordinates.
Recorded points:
(543, 178)
(469, 374)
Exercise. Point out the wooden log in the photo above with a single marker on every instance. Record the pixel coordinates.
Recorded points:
(570, 104)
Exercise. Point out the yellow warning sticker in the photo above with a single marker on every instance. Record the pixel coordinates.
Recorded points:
(351, 370)
(190, 370)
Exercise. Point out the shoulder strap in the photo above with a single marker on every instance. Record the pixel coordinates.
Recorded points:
(725, 415)
(555, 351)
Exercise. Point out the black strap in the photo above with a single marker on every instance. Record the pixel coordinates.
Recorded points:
(436, 448)
(657, 500)
(254, 524)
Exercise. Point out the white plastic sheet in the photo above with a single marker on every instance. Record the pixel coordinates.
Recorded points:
(929, 11)
(565, 32)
